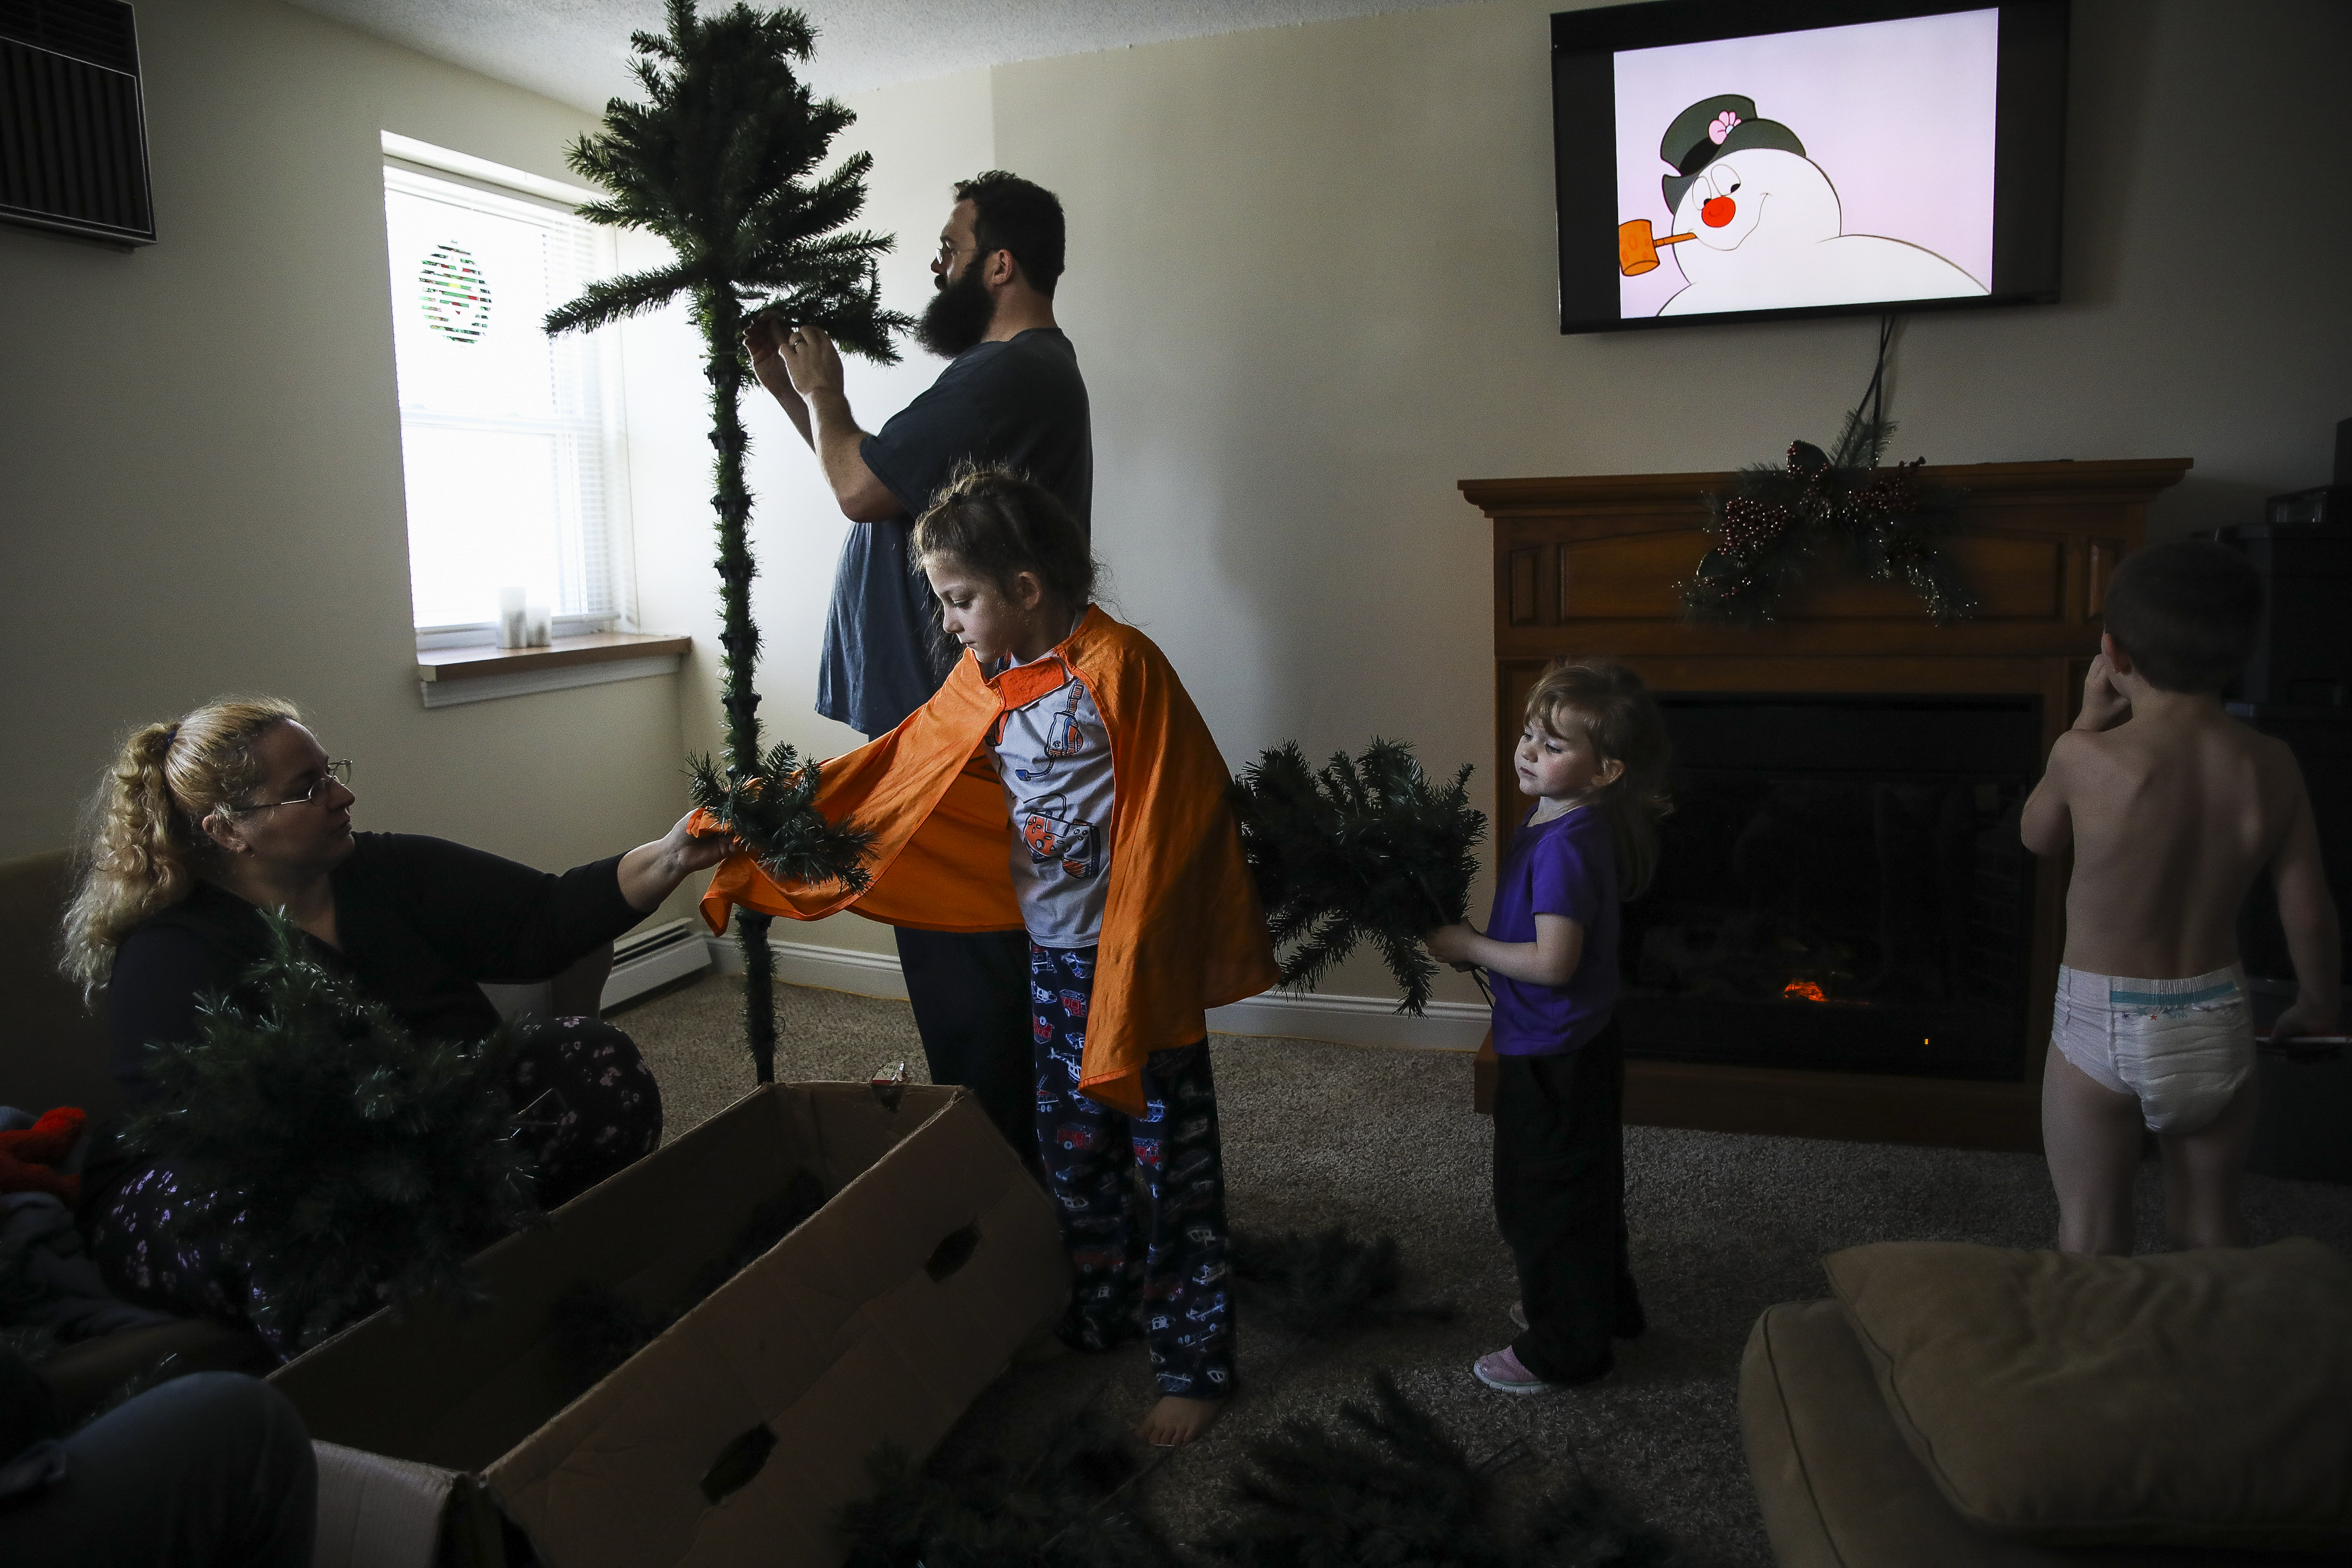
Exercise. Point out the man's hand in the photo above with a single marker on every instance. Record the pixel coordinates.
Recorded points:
(812, 361)
(800, 367)
(764, 338)
(2104, 707)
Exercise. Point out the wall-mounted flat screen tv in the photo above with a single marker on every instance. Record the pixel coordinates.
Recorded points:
(1746, 160)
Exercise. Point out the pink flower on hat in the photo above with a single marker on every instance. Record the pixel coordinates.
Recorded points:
(1722, 126)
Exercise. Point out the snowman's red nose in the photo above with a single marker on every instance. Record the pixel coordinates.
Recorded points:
(1716, 211)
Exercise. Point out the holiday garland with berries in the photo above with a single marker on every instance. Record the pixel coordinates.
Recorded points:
(1888, 521)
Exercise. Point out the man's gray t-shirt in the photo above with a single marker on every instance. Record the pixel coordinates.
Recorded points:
(1021, 404)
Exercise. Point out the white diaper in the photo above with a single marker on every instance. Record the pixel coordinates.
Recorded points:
(2181, 1047)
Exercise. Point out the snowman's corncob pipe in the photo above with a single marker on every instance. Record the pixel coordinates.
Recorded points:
(1637, 251)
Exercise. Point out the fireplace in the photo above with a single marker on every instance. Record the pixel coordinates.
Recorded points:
(1840, 887)
(1845, 938)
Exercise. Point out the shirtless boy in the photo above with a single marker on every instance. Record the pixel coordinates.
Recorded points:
(2173, 808)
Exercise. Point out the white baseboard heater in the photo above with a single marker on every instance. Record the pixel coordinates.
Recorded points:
(655, 956)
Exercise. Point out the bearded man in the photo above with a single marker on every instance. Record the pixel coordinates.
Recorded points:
(1010, 397)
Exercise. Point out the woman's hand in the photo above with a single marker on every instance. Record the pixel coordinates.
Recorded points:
(651, 872)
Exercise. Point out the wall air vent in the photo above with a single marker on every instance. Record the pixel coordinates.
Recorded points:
(73, 135)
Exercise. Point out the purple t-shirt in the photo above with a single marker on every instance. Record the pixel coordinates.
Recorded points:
(1564, 866)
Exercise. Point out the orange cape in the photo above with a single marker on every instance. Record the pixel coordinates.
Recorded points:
(1182, 930)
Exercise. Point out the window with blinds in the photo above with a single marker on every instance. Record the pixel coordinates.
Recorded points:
(509, 439)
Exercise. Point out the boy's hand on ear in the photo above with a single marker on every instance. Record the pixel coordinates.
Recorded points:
(2104, 707)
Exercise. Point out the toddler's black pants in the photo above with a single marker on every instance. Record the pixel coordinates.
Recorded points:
(1559, 1198)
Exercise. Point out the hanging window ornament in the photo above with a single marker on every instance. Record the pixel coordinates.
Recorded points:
(456, 295)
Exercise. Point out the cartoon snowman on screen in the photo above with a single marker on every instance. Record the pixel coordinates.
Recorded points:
(1757, 224)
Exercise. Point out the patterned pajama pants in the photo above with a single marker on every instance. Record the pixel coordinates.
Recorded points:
(1157, 1254)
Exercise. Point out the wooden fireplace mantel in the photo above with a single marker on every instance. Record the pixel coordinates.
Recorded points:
(1591, 566)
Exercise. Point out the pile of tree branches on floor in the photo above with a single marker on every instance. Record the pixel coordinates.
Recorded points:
(1381, 1486)
(1064, 1506)
(1386, 1485)
(1328, 1286)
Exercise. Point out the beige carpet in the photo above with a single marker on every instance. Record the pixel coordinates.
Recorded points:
(1723, 1225)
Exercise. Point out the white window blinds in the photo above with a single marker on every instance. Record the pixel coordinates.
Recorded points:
(508, 441)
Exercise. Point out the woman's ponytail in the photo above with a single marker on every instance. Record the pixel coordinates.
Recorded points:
(141, 847)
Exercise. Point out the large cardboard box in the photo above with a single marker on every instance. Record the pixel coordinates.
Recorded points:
(736, 1436)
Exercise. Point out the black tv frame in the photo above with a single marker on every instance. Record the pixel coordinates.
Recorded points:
(2029, 143)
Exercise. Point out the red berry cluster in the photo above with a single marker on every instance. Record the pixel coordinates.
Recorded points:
(1749, 526)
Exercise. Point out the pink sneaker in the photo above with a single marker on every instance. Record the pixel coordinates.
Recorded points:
(1502, 1371)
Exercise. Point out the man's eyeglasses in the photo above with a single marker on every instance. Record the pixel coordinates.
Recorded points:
(336, 774)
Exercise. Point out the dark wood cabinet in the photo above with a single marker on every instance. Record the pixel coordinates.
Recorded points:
(1592, 567)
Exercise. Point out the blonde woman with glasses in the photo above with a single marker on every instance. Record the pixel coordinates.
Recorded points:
(201, 825)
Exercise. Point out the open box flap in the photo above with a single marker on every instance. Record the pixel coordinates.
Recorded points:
(375, 1512)
(750, 1422)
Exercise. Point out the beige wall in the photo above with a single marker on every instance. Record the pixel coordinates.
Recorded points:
(1312, 285)
(200, 456)
(1312, 281)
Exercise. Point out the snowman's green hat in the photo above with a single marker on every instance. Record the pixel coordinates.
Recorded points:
(1710, 128)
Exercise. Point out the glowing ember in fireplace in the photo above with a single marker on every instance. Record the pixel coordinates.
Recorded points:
(1804, 991)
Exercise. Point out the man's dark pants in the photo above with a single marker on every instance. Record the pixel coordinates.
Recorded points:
(970, 992)
(209, 1470)
(1560, 1196)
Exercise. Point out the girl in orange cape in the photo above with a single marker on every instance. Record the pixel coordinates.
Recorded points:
(1061, 781)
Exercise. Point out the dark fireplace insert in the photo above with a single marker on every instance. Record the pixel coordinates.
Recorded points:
(1842, 887)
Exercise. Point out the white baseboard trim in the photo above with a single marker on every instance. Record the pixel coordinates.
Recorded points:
(1354, 1021)
(828, 968)
(1349, 1020)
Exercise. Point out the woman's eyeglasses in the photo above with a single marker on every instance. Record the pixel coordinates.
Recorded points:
(336, 774)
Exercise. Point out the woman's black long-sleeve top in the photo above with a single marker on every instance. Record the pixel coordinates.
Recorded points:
(420, 921)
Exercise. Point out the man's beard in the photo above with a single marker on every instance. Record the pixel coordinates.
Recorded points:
(958, 316)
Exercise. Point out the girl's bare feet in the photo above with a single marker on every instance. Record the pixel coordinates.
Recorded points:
(1174, 1422)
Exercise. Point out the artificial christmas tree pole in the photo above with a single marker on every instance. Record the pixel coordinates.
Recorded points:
(718, 161)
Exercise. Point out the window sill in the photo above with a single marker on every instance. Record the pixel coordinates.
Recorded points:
(448, 676)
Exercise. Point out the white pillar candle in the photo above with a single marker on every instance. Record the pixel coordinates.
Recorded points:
(539, 621)
(512, 632)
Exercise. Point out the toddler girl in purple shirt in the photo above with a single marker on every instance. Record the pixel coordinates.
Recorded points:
(1594, 755)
